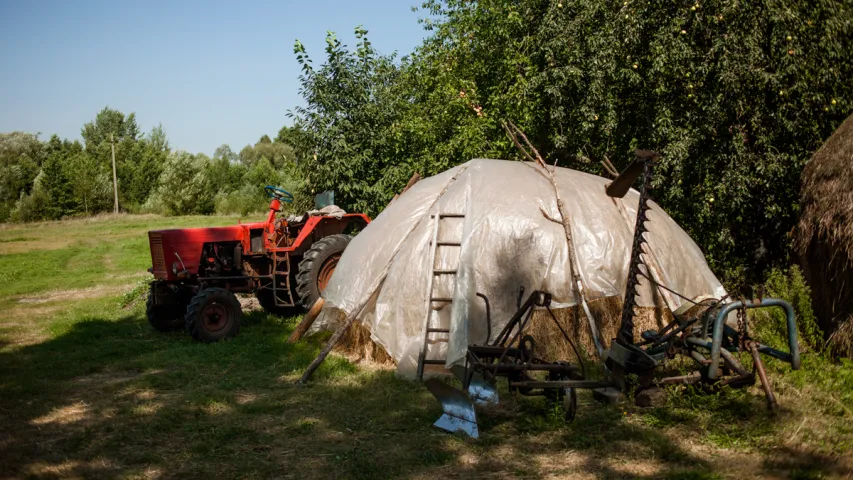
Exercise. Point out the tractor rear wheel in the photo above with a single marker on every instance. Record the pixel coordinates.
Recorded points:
(317, 266)
(164, 318)
(213, 314)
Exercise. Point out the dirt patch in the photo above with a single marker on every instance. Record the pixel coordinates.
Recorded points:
(75, 294)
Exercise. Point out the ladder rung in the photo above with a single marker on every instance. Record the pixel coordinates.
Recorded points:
(449, 244)
(444, 272)
(434, 362)
(451, 215)
(440, 299)
(438, 330)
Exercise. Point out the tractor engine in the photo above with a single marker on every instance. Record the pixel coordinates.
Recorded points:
(221, 259)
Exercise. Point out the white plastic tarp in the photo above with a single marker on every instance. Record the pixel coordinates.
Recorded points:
(507, 242)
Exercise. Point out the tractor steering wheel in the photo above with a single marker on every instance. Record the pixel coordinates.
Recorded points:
(279, 194)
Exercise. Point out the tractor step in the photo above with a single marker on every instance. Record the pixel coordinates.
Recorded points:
(434, 362)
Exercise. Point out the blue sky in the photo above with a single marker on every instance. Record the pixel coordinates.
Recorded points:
(212, 72)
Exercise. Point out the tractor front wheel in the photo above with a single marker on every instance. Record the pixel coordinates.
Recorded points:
(164, 318)
(317, 266)
(213, 314)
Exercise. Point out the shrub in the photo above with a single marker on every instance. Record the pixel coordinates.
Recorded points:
(248, 199)
(770, 324)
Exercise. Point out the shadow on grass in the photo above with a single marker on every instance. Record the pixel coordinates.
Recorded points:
(108, 398)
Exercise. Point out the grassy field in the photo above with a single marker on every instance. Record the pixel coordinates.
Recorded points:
(89, 390)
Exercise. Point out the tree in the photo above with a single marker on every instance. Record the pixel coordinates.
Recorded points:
(90, 183)
(184, 186)
(109, 122)
(224, 152)
(21, 156)
(158, 139)
(347, 140)
(734, 94)
(57, 188)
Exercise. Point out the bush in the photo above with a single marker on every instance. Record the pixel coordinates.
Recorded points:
(32, 207)
(248, 199)
(185, 188)
(770, 324)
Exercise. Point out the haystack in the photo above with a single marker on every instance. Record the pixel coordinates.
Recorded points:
(824, 235)
(507, 238)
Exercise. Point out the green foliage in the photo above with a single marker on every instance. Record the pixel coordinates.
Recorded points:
(344, 136)
(90, 182)
(736, 95)
(244, 201)
(21, 155)
(31, 206)
(109, 125)
(184, 186)
(57, 187)
(770, 324)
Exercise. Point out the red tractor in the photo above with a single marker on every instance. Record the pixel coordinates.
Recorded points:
(285, 262)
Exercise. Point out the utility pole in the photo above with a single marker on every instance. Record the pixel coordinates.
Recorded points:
(115, 182)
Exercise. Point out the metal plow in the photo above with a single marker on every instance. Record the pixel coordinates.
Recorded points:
(459, 413)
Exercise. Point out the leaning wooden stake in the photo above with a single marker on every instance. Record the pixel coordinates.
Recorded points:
(307, 321)
(353, 316)
(580, 295)
(411, 183)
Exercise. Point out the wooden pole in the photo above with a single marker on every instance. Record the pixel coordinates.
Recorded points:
(115, 182)
(307, 321)
(351, 318)
(412, 181)
(579, 288)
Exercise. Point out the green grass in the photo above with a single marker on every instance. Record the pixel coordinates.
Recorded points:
(89, 390)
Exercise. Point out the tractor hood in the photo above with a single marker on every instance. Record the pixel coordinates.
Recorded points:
(182, 247)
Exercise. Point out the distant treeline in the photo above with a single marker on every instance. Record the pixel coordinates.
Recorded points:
(44, 180)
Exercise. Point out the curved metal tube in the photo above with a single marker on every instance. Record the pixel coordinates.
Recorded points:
(717, 342)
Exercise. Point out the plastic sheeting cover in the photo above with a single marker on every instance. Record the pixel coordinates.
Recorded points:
(507, 243)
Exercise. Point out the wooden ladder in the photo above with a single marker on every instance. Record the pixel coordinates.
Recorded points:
(434, 272)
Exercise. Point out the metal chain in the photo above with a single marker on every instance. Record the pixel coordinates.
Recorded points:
(741, 325)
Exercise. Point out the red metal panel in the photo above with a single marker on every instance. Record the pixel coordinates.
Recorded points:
(184, 246)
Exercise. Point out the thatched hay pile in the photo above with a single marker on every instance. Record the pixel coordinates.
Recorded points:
(824, 236)
(357, 345)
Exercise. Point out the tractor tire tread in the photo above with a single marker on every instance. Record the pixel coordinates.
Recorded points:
(306, 278)
(195, 307)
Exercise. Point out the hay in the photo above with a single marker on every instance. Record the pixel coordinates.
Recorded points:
(607, 312)
(823, 238)
(357, 345)
(841, 340)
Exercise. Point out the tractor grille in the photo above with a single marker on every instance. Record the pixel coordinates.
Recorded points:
(157, 256)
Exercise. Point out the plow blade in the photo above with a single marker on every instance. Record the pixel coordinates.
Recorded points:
(482, 392)
(459, 414)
